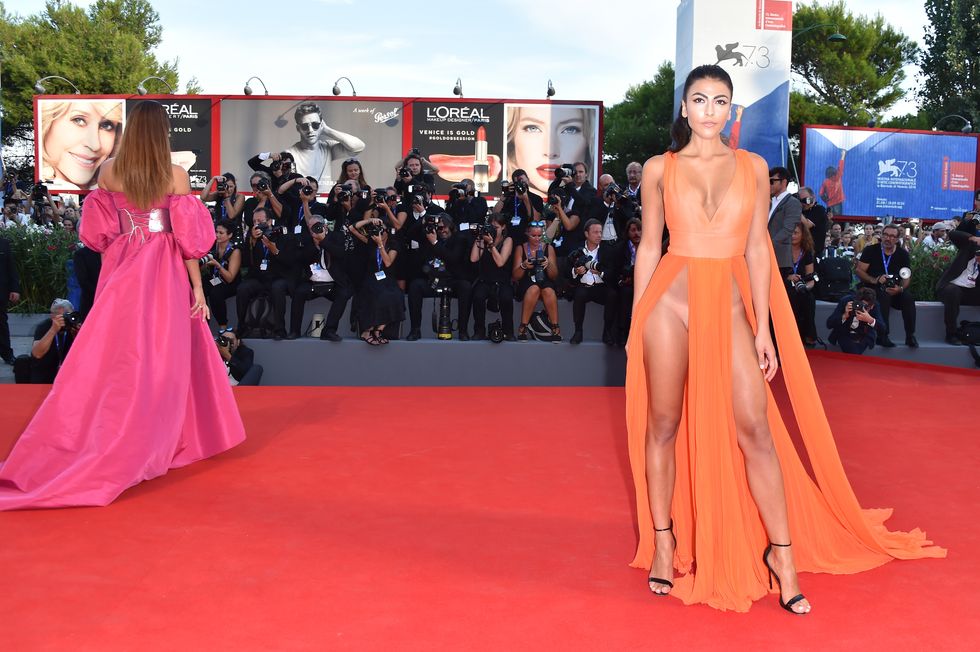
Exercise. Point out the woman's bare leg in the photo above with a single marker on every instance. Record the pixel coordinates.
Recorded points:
(550, 301)
(762, 469)
(665, 346)
(530, 300)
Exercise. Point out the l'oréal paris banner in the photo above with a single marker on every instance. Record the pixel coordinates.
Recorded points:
(879, 172)
(464, 140)
(190, 136)
(751, 40)
(320, 134)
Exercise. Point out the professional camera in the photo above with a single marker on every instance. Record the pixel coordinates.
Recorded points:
(537, 269)
(268, 230)
(343, 195)
(404, 173)
(800, 286)
(222, 186)
(205, 259)
(506, 188)
(556, 196)
(318, 228)
(308, 190)
(626, 274)
(495, 332)
(222, 341)
(566, 170)
(262, 185)
(40, 192)
(457, 191)
(437, 274)
(430, 223)
(579, 258)
(73, 319)
(380, 196)
(894, 280)
(520, 187)
(415, 151)
(487, 228)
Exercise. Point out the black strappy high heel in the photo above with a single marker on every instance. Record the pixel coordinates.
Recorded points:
(658, 580)
(788, 606)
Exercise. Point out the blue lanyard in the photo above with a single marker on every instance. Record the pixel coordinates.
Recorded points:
(629, 243)
(300, 219)
(517, 206)
(884, 261)
(796, 265)
(59, 343)
(224, 211)
(378, 254)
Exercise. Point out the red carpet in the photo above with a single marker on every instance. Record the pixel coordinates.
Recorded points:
(364, 522)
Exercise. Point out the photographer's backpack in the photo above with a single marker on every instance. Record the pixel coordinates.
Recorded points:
(22, 369)
(260, 319)
(835, 278)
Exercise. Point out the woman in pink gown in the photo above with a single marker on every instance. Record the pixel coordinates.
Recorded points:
(143, 389)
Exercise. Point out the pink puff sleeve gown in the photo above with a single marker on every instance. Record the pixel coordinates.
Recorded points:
(143, 389)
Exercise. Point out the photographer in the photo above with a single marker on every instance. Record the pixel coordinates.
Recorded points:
(535, 270)
(887, 269)
(262, 197)
(491, 251)
(564, 228)
(238, 358)
(519, 204)
(580, 193)
(856, 323)
(800, 282)
(590, 268)
(268, 271)
(464, 206)
(634, 174)
(380, 301)
(625, 261)
(279, 167)
(229, 204)
(612, 212)
(937, 236)
(222, 266)
(409, 216)
(319, 272)
(440, 242)
(815, 219)
(309, 207)
(53, 338)
(958, 284)
(412, 171)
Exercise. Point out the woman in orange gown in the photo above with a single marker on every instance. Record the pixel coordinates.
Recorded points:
(720, 490)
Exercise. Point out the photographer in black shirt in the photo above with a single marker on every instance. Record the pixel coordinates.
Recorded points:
(958, 284)
(223, 190)
(53, 338)
(238, 358)
(221, 272)
(319, 272)
(278, 165)
(264, 197)
(309, 207)
(464, 205)
(800, 282)
(413, 171)
(266, 259)
(409, 216)
(592, 269)
(491, 252)
(886, 268)
(519, 204)
(856, 323)
(439, 241)
(815, 219)
(612, 212)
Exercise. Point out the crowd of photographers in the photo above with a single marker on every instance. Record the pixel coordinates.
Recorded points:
(376, 249)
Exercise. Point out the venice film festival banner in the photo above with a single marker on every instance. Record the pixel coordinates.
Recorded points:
(879, 172)
(752, 41)
(483, 140)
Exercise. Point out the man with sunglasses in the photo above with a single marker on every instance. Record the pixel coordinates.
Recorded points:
(319, 144)
(785, 213)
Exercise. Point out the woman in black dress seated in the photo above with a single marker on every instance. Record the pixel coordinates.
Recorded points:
(380, 301)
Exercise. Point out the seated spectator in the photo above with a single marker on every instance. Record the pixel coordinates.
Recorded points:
(856, 324)
(380, 302)
(53, 339)
(319, 272)
(936, 236)
(800, 283)
(268, 271)
(865, 239)
(222, 272)
(439, 241)
(491, 254)
(535, 270)
(880, 269)
(593, 272)
(238, 358)
(958, 284)
(223, 189)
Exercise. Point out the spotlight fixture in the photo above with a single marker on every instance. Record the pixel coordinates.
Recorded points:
(458, 88)
(551, 90)
(966, 128)
(39, 87)
(141, 89)
(248, 89)
(336, 86)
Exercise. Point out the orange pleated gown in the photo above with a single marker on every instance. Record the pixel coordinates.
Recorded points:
(720, 536)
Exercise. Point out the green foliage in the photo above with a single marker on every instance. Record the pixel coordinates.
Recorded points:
(105, 49)
(860, 77)
(927, 266)
(41, 256)
(639, 126)
(806, 110)
(921, 120)
(951, 63)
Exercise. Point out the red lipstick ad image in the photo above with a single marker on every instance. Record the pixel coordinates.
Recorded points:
(464, 140)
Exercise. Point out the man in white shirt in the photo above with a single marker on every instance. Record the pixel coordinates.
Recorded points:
(590, 265)
(958, 284)
(319, 144)
(937, 237)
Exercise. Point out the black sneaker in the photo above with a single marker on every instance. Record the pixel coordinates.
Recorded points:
(292, 336)
(463, 337)
(576, 337)
(522, 334)
(331, 336)
(911, 342)
(608, 339)
(414, 334)
(886, 342)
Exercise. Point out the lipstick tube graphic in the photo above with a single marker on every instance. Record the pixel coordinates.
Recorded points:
(481, 166)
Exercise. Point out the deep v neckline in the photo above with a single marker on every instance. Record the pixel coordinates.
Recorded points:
(731, 184)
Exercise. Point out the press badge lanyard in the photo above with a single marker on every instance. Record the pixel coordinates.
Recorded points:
(886, 262)
(378, 255)
(629, 243)
(299, 222)
(796, 265)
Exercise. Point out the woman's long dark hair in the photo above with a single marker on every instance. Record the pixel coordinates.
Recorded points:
(680, 131)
